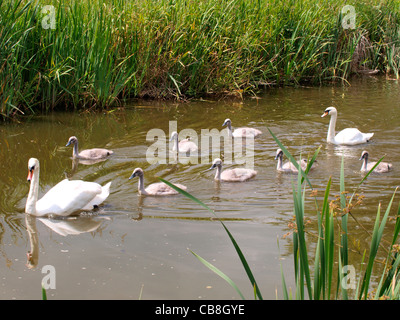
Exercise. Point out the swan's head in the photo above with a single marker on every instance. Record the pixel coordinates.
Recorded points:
(330, 111)
(364, 155)
(279, 154)
(33, 164)
(174, 135)
(216, 163)
(227, 122)
(31, 261)
(72, 140)
(138, 172)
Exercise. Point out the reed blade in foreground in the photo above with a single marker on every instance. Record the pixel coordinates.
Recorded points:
(237, 248)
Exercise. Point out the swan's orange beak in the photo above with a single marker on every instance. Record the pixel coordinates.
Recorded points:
(325, 114)
(30, 174)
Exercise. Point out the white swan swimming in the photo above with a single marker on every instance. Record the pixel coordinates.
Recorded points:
(184, 146)
(348, 136)
(65, 198)
(88, 154)
(155, 189)
(232, 175)
(241, 132)
(288, 166)
(367, 166)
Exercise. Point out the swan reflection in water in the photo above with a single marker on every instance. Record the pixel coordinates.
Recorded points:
(62, 226)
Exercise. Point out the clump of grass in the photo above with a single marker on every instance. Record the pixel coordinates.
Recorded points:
(104, 52)
(319, 280)
(321, 284)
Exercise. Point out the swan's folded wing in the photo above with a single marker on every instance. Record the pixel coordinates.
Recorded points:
(352, 136)
(246, 132)
(187, 146)
(95, 153)
(160, 188)
(238, 174)
(67, 197)
(99, 198)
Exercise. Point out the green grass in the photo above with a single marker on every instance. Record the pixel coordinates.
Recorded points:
(319, 275)
(101, 54)
(44, 294)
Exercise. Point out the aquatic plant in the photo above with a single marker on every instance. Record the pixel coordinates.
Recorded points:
(102, 53)
(321, 279)
(320, 283)
(44, 294)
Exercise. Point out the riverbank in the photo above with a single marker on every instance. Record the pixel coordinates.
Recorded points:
(83, 55)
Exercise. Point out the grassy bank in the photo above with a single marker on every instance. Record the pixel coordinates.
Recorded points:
(103, 52)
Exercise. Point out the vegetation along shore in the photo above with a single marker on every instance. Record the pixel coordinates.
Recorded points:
(74, 55)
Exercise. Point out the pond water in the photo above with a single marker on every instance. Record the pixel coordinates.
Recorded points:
(140, 247)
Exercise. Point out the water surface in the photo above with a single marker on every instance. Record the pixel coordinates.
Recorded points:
(136, 247)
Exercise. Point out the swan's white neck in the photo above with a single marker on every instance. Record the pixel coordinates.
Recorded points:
(331, 130)
(141, 185)
(218, 173)
(30, 206)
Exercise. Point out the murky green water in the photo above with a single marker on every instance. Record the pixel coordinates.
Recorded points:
(140, 247)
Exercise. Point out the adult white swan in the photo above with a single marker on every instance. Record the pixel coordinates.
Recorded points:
(348, 136)
(65, 198)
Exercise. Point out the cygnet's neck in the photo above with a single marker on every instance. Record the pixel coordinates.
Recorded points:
(229, 126)
(364, 163)
(141, 185)
(279, 164)
(75, 152)
(218, 173)
(176, 144)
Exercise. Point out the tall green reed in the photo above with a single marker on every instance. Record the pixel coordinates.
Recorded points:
(102, 53)
(322, 270)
